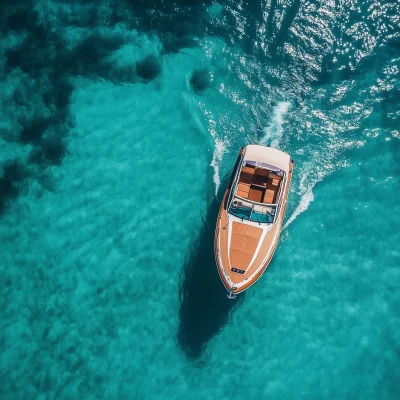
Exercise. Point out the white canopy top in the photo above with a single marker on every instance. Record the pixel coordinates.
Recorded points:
(267, 155)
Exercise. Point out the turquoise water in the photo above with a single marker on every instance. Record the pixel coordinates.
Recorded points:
(120, 122)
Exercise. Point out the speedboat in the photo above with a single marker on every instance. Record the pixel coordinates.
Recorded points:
(251, 215)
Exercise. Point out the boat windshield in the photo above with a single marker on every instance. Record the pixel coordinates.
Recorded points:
(252, 211)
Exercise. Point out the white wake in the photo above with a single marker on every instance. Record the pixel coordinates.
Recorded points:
(219, 150)
(305, 201)
(274, 131)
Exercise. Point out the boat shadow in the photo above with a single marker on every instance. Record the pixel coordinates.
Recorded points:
(205, 308)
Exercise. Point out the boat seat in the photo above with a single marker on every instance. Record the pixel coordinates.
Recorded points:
(269, 196)
(255, 194)
(246, 175)
(275, 179)
(243, 190)
(261, 176)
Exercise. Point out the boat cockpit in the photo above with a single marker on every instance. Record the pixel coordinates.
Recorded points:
(257, 192)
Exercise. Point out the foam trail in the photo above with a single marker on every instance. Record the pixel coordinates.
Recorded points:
(306, 185)
(219, 150)
(274, 131)
(305, 201)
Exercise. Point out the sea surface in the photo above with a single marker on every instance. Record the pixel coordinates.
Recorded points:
(120, 122)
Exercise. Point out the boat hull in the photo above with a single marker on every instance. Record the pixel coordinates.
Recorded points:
(233, 282)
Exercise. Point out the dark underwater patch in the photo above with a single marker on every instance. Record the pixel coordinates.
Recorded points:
(41, 56)
(200, 80)
(13, 174)
(33, 131)
(173, 43)
(15, 57)
(91, 58)
(31, 56)
(90, 55)
(148, 68)
(21, 18)
(45, 57)
(59, 93)
(51, 150)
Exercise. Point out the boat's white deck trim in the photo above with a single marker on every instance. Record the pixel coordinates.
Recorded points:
(267, 155)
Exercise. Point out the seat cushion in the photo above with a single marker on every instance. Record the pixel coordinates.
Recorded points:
(244, 187)
(269, 196)
(274, 178)
(260, 180)
(269, 193)
(243, 195)
(268, 200)
(262, 172)
(246, 175)
(255, 194)
(275, 182)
